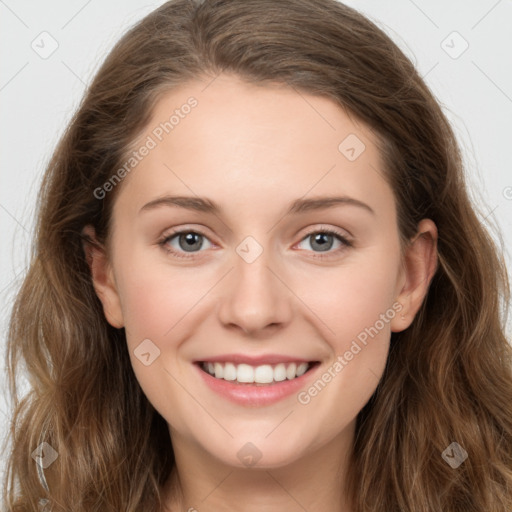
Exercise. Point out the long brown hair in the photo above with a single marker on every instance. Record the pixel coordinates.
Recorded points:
(448, 377)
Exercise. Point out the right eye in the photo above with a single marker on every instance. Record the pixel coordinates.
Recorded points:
(178, 243)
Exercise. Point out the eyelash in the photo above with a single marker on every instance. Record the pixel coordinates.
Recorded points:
(169, 236)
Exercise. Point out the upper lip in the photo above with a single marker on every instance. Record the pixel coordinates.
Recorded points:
(254, 360)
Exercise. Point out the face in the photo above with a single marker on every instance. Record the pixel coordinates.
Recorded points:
(282, 255)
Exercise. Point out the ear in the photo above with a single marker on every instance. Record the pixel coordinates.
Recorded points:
(102, 277)
(418, 268)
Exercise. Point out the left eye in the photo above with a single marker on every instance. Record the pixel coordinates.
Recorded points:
(323, 241)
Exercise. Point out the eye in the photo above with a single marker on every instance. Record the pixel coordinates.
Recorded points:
(186, 243)
(324, 240)
(179, 243)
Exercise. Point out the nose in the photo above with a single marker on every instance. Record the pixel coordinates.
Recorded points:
(255, 298)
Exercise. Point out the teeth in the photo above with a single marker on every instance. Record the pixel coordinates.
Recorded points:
(244, 373)
(280, 372)
(291, 371)
(301, 369)
(264, 374)
(219, 371)
(230, 372)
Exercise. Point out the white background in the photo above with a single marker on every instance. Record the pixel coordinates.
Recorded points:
(38, 97)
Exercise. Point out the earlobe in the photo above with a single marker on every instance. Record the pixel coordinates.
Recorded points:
(102, 277)
(419, 267)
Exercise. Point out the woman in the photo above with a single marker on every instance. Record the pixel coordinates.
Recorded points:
(259, 282)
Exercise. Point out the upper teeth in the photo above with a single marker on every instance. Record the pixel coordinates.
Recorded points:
(263, 374)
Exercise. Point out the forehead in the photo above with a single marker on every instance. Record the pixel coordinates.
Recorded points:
(241, 143)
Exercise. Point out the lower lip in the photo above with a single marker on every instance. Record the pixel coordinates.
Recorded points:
(252, 395)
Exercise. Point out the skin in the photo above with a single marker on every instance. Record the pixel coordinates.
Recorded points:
(254, 150)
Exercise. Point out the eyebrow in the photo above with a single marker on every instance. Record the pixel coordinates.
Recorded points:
(205, 205)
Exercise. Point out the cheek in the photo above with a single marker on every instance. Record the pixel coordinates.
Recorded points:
(161, 305)
(165, 306)
(355, 305)
(155, 300)
(352, 297)
(358, 310)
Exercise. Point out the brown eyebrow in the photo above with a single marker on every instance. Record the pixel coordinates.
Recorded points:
(205, 205)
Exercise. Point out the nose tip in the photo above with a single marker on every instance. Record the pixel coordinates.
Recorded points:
(254, 299)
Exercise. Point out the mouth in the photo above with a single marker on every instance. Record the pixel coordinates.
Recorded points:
(256, 375)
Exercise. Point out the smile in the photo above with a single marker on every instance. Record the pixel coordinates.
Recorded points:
(256, 380)
(264, 374)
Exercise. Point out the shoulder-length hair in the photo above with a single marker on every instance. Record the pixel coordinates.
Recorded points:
(448, 376)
